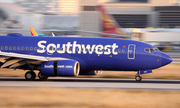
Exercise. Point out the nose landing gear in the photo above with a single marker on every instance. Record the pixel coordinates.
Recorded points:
(138, 77)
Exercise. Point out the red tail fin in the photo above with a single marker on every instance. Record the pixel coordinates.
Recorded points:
(109, 25)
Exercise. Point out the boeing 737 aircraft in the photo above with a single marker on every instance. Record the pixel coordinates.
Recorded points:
(73, 56)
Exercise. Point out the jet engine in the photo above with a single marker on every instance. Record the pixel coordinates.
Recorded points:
(60, 68)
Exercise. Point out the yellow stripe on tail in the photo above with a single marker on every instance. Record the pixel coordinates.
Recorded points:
(33, 33)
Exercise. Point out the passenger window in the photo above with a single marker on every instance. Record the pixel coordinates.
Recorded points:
(77, 49)
(115, 50)
(2, 47)
(119, 50)
(31, 48)
(35, 48)
(58, 49)
(6, 48)
(123, 50)
(22, 48)
(69, 49)
(61, 49)
(110, 50)
(54, 49)
(10, 48)
(18, 47)
(14, 48)
(50, 48)
(99, 50)
(27, 48)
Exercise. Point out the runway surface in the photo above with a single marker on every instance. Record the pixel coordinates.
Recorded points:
(98, 83)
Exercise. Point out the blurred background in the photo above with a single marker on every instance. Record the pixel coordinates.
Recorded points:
(153, 21)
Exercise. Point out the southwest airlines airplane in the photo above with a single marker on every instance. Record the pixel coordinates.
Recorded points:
(73, 56)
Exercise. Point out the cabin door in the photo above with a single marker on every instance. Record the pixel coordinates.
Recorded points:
(131, 51)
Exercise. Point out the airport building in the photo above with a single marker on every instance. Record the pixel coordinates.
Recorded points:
(50, 6)
(128, 13)
(135, 13)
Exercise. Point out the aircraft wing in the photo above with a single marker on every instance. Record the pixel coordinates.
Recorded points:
(15, 60)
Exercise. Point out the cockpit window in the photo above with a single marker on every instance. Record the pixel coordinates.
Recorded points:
(151, 50)
(147, 50)
(156, 50)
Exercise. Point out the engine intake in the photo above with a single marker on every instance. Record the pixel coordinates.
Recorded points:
(60, 68)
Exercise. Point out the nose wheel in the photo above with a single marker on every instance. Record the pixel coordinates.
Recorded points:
(138, 78)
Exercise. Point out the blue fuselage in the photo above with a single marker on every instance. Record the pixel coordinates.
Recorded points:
(91, 53)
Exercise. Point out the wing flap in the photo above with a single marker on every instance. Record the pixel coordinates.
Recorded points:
(10, 62)
(18, 64)
(3, 59)
(24, 56)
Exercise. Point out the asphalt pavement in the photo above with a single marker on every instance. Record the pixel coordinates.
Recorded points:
(96, 83)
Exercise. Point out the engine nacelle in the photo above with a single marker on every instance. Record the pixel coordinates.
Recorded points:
(60, 68)
(89, 72)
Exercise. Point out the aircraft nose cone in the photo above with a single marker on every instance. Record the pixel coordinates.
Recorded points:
(165, 59)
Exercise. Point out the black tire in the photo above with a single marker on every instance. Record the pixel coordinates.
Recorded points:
(41, 77)
(30, 75)
(138, 78)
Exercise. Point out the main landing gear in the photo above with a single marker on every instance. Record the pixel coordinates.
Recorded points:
(31, 75)
(41, 77)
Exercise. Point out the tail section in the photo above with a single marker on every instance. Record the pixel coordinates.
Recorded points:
(109, 24)
(33, 33)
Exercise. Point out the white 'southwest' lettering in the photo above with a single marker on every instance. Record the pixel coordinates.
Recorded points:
(68, 46)
(72, 48)
(99, 49)
(61, 50)
(51, 48)
(48, 66)
(114, 46)
(41, 46)
(65, 66)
